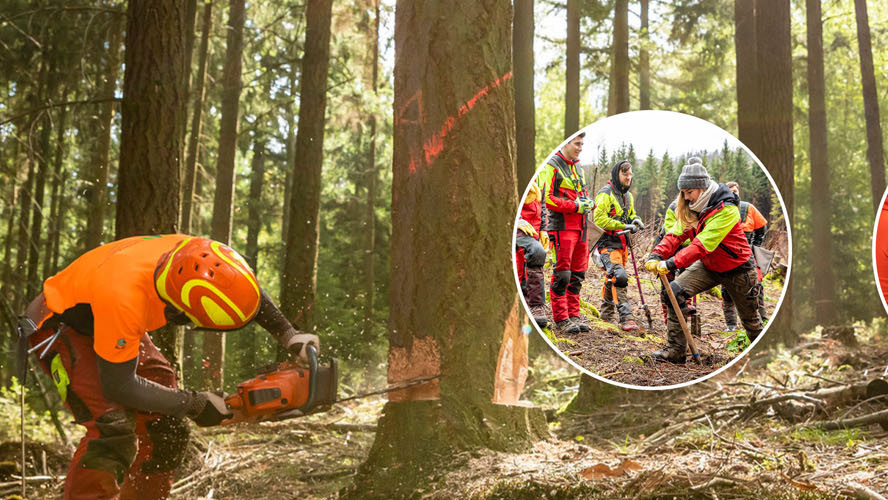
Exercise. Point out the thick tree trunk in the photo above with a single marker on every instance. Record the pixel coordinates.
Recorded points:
(443, 319)
(621, 56)
(821, 212)
(572, 71)
(24, 234)
(48, 85)
(101, 162)
(775, 115)
(644, 63)
(153, 105)
(300, 265)
(522, 61)
(223, 203)
(748, 97)
(370, 209)
(875, 153)
(196, 122)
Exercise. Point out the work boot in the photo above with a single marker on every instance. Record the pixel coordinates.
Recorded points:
(628, 325)
(539, 316)
(731, 327)
(580, 324)
(753, 334)
(567, 326)
(670, 353)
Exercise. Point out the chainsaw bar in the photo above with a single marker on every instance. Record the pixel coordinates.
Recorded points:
(405, 385)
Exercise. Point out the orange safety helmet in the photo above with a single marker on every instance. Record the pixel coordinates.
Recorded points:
(209, 282)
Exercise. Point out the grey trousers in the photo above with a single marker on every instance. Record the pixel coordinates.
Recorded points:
(741, 285)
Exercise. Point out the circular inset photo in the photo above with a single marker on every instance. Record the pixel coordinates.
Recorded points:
(652, 249)
(880, 250)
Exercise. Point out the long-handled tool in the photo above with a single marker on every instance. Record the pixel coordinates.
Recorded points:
(681, 319)
(647, 312)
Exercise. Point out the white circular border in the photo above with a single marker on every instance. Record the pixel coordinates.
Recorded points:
(776, 308)
(875, 264)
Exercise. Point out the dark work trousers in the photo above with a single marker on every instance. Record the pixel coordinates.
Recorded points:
(740, 284)
(614, 291)
(125, 454)
(530, 258)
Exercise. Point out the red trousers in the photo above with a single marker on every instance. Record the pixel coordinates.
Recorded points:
(125, 454)
(572, 260)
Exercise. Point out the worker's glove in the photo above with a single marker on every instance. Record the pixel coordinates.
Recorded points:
(638, 223)
(544, 240)
(533, 194)
(208, 408)
(665, 266)
(631, 227)
(651, 265)
(297, 344)
(584, 205)
(527, 228)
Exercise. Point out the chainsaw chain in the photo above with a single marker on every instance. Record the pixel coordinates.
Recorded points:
(405, 385)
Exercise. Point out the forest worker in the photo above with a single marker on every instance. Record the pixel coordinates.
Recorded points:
(615, 212)
(531, 246)
(718, 254)
(754, 228)
(568, 204)
(111, 376)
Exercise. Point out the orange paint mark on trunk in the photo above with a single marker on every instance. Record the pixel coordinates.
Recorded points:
(512, 362)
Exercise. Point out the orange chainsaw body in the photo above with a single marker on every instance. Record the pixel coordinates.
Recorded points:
(284, 391)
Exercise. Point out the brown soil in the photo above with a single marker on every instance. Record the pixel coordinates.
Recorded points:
(624, 357)
(728, 437)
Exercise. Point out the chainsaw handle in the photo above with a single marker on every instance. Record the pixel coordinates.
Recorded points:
(312, 353)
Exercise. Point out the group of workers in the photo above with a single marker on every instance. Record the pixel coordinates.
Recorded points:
(706, 241)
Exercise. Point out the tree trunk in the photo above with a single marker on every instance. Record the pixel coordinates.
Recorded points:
(48, 83)
(621, 56)
(775, 115)
(153, 105)
(522, 61)
(821, 212)
(63, 209)
(370, 209)
(300, 262)
(748, 98)
(101, 162)
(875, 154)
(572, 71)
(644, 63)
(194, 139)
(254, 224)
(223, 203)
(52, 231)
(443, 318)
(24, 234)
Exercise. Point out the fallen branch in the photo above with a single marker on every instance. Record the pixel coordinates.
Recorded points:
(861, 492)
(879, 417)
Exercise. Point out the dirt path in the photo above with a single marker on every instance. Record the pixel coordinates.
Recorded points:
(624, 356)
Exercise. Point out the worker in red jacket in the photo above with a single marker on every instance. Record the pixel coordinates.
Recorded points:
(91, 328)
(717, 255)
(568, 203)
(531, 247)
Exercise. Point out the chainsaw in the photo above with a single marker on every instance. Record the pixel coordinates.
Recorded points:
(287, 390)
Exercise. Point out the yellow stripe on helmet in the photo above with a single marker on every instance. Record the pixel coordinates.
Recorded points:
(161, 278)
(243, 268)
(216, 313)
(186, 289)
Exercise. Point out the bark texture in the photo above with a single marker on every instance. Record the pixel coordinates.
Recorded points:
(301, 261)
(444, 319)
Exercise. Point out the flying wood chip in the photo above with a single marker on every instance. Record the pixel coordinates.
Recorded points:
(600, 471)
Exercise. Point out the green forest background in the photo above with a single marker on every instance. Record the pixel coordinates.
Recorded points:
(62, 69)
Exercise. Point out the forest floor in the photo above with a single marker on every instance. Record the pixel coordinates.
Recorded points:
(624, 357)
(771, 427)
